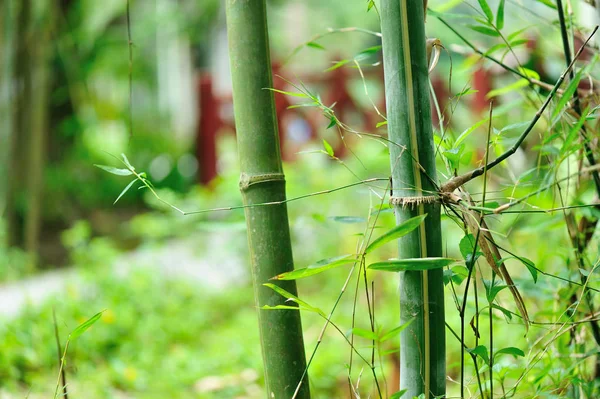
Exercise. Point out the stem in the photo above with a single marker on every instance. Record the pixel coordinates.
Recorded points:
(422, 349)
(262, 181)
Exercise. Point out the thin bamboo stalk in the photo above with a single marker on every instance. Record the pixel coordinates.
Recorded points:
(262, 181)
(422, 351)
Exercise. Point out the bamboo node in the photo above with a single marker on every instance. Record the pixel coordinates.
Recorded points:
(247, 180)
(414, 201)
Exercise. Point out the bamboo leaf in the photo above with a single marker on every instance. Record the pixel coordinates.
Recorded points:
(482, 352)
(368, 334)
(125, 190)
(328, 148)
(511, 350)
(85, 325)
(315, 45)
(420, 264)
(528, 264)
(288, 93)
(486, 10)
(397, 232)
(347, 219)
(394, 332)
(566, 96)
(316, 268)
(467, 132)
(126, 161)
(493, 288)
(399, 394)
(337, 65)
(115, 171)
(507, 89)
(500, 15)
(293, 298)
(484, 30)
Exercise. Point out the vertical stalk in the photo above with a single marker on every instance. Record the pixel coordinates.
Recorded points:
(422, 350)
(40, 85)
(262, 180)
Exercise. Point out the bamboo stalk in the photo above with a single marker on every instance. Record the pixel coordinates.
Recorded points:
(422, 350)
(262, 180)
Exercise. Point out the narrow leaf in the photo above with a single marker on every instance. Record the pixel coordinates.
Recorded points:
(328, 148)
(125, 190)
(500, 15)
(400, 265)
(394, 332)
(85, 325)
(315, 45)
(485, 30)
(511, 350)
(126, 161)
(482, 352)
(115, 171)
(566, 96)
(316, 268)
(288, 93)
(397, 232)
(486, 10)
(294, 298)
(368, 334)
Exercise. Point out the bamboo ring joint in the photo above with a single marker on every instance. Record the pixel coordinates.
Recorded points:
(247, 180)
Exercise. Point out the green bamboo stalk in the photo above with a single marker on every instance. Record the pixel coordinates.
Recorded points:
(422, 350)
(262, 180)
(40, 52)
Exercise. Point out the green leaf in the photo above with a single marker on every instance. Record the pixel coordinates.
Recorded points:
(399, 231)
(456, 274)
(467, 247)
(486, 10)
(85, 325)
(500, 15)
(528, 264)
(566, 96)
(288, 93)
(493, 288)
(293, 298)
(366, 53)
(485, 30)
(368, 334)
(379, 124)
(482, 352)
(125, 190)
(316, 268)
(511, 350)
(348, 219)
(394, 332)
(115, 171)
(507, 89)
(126, 161)
(315, 45)
(507, 313)
(337, 65)
(400, 265)
(399, 394)
(332, 123)
(328, 148)
(468, 131)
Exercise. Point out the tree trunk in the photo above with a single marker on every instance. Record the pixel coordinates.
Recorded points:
(422, 350)
(261, 181)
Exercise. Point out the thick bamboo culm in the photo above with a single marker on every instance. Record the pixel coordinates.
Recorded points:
(262, 180)
(422, 348)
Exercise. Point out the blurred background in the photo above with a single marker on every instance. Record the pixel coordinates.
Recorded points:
(179, 318)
